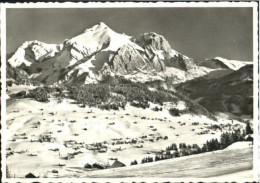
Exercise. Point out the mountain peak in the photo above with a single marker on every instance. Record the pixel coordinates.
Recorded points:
(97, 27)
(99, 37)
(31, 51)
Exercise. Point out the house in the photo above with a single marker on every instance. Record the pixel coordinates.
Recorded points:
(46, 138)
(117, 164)
(87, 166)
(98, 166)
(55, 171)
(32, 175)
(69, 156)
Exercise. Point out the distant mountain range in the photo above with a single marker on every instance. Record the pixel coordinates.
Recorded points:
(99, 52)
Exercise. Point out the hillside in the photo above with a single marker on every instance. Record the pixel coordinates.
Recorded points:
(232, 93)
(72, 135)
(214, 164)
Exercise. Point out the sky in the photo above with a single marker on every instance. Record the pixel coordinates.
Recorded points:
(196, 32)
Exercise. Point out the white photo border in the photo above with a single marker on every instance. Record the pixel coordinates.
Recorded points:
(253, 5)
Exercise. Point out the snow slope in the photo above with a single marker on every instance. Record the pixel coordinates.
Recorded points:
(66, 121)
(224, 163)
(222, 63)
(240, 145)
(233, 64)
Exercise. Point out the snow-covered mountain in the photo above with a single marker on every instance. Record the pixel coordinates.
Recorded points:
(100, 52)
(222, 63)
(33, 51)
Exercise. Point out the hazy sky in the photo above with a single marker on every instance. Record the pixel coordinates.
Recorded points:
(196, 32)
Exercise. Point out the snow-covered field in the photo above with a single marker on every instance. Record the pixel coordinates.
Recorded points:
(69, 133)
(228, 163)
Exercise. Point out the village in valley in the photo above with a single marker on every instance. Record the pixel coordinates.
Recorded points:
(77, 140)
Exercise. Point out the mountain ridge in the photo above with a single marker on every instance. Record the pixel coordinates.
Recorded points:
(126, 55)
(100, 51)
(231, 94)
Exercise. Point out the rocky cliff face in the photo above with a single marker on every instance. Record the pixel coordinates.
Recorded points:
(181, 62)
(156, 46)
(148, 52)
(131, 58)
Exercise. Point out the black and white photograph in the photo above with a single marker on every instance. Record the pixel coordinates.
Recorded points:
(148, 91)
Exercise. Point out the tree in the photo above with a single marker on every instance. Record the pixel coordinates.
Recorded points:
(225, 140)
(134, 162)
(174, 146)
(204, 148)
(184, 145)
(198, 150)
(8, 175)
(157, 158)
(248, 129)
(180, 146)
(213, 145)
(234, 137)
(174, 112)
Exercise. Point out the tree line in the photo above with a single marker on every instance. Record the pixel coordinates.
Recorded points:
(42, 94)
(226, 139)
(114, 96)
